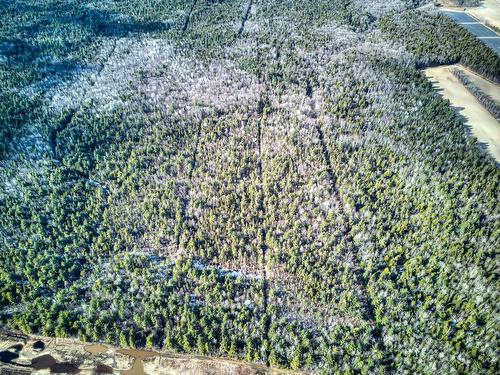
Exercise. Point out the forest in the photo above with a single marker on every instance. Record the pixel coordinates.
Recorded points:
(273, 181)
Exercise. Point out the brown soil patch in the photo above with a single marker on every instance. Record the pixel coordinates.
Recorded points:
(96, 349)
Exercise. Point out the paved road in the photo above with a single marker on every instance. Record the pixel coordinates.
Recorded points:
(484, 33)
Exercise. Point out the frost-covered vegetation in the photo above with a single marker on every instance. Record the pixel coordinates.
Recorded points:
(268, 180)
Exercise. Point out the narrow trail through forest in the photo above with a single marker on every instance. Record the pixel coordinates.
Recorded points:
(188, 17)
(263, 233)
(196, 148)
(245, 17)
(369, 310)
(63, 124)
(262, 113)
(68, 118)
(183, 202)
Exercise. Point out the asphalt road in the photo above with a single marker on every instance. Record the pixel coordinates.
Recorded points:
(484, 33)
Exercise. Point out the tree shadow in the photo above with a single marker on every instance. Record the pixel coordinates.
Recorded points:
(46, 42)
(57, 38)
(465, 121)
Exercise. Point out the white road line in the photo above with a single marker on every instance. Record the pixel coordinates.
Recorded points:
(488, 37)
(482, 23)
(470, 23)
(472, 16)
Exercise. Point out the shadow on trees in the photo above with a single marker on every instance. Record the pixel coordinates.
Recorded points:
(58, 31)
(44, 42)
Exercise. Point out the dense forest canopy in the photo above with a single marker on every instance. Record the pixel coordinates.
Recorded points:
(268, 180)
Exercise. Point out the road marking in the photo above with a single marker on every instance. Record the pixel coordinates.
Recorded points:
(475, 18)
(482, 23)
